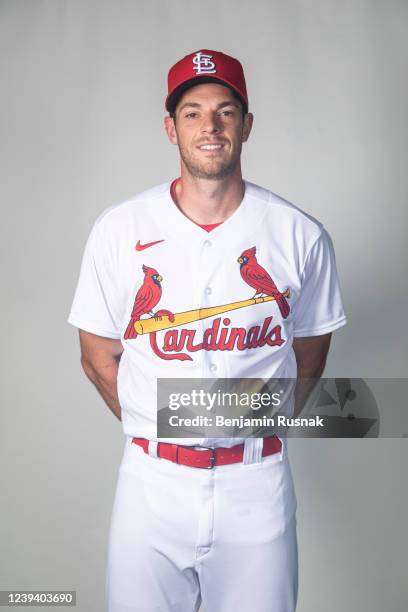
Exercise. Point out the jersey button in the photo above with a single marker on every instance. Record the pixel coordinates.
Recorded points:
(208, 290)
(207, 243)
(213, 367)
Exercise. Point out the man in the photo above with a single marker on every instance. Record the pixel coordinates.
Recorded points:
(224, 536)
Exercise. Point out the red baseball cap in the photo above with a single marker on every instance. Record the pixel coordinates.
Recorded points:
(205, 66)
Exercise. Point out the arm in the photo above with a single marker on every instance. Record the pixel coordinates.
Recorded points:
(100, 358)
(311, 354)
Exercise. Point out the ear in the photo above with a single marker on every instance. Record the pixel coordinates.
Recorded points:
(247, 127)
(170, 130)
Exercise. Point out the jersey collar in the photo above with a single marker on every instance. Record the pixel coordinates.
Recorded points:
(182, 225)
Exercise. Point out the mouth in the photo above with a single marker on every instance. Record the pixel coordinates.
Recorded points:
(211, 146)
(160, 278)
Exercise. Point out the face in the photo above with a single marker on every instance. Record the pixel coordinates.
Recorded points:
(209, 130)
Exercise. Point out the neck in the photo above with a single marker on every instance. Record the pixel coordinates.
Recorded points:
(209, 201)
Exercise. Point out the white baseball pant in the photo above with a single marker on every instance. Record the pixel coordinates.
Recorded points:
(181, 536)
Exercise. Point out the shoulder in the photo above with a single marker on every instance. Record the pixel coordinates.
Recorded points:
(144, 202)
(282, 213)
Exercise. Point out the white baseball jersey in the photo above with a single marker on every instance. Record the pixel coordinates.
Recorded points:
(145, 255)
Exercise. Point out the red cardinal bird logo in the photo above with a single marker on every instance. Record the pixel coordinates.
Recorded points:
(147, 297)
(257, 277)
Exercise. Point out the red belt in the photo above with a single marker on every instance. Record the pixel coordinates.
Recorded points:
(208, 457)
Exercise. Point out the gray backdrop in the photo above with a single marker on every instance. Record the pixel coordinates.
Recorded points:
(82, 90)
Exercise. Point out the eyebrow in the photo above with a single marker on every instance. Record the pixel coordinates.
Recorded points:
(197, 105)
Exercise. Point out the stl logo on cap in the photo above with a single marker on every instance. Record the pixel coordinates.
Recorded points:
(203, 64)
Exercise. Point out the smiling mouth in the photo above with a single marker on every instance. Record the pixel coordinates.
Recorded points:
(211, 147)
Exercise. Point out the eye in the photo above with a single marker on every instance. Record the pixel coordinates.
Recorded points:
(227, 113)
(192, 115)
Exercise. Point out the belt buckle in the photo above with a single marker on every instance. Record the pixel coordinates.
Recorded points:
(212, 458)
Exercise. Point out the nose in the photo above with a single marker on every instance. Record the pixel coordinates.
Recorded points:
(211, 124)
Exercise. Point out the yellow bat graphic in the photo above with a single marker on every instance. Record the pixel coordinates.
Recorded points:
(155, 324)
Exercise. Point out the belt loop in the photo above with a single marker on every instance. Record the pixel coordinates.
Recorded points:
(153, 448)
(252, 450)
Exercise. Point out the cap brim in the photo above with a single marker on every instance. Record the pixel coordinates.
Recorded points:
(173, 98)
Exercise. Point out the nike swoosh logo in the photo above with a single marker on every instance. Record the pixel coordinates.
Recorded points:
(142, 247)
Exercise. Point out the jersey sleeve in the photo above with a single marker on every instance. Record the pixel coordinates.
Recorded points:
(95, 308)
(319, 307)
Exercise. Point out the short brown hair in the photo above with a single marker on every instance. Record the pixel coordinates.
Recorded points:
(176, 100)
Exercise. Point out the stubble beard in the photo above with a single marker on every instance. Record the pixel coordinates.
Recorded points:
(211, 171)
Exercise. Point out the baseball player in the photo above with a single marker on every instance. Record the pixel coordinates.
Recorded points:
(205, 276)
